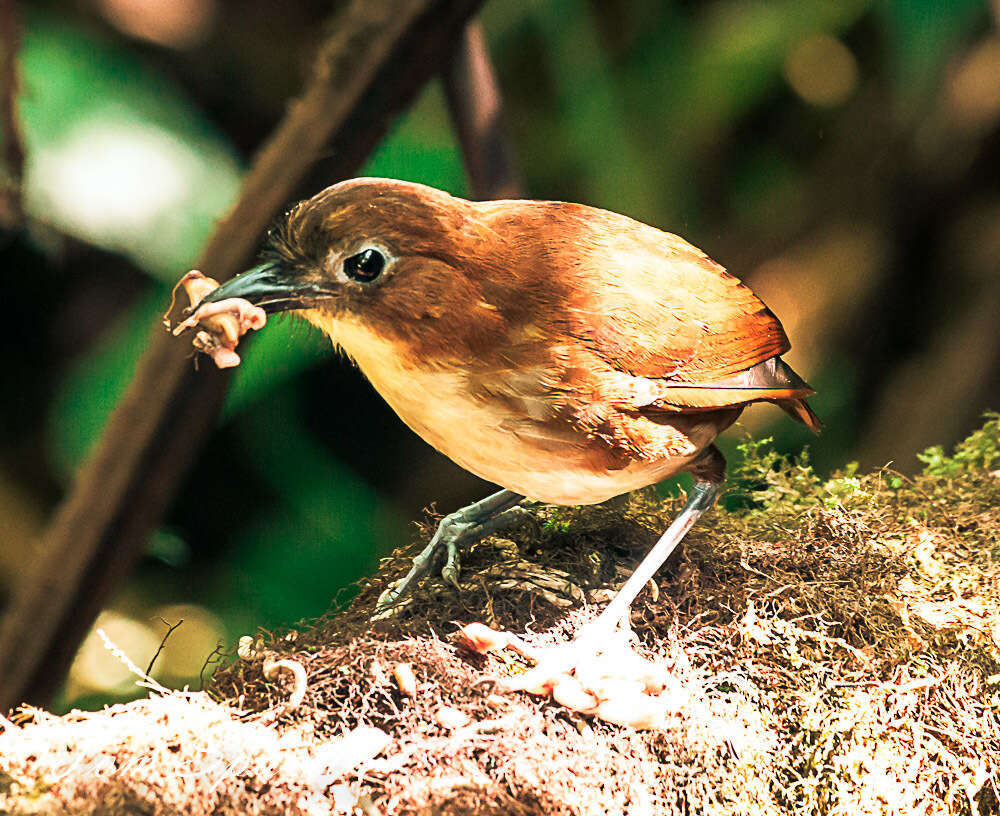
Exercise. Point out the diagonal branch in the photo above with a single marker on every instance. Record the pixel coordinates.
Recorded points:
(376, 58)
(10, 127)
(476, 109)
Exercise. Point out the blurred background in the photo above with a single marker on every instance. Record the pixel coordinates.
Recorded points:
(842, 157)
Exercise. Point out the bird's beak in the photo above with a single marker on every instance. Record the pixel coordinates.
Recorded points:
(269, 286)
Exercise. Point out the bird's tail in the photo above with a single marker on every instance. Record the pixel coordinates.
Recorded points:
(799, 410)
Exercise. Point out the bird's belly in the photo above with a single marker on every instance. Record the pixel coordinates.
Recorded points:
(538, 457)
(541, 460)
(530, 458)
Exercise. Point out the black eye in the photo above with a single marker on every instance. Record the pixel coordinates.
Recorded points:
(365, 266)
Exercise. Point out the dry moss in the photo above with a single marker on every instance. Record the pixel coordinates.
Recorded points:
(834, 644)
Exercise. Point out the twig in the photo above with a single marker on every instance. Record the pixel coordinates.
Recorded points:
(215, 656)
(375, 61)
(916, 685)
(163, 643)
(475, 105)
(116, 650)
(13, 146)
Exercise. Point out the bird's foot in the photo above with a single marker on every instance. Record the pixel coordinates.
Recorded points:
(599, 672)
(470, 533)
(461, 528)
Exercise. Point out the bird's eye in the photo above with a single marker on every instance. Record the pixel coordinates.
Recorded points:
(365, 266)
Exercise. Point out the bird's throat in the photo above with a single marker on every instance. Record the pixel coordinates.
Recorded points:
(377, 356)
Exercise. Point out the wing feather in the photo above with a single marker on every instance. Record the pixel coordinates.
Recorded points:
(772, 380)
(667, 311)
(669, 316)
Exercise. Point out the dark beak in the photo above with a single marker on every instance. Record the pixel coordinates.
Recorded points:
(269, 286)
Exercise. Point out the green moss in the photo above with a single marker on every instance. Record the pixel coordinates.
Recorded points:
(855, 617)
(981, 451)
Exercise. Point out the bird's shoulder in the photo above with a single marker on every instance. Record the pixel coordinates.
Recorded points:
(647, 302)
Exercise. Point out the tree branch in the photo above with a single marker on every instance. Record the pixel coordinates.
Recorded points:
(377, 57)
(13, 148)
(476, 109)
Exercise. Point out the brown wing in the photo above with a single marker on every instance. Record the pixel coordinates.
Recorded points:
(703, 337)
(667, 311)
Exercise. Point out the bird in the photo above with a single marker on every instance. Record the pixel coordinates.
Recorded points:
(564, 352)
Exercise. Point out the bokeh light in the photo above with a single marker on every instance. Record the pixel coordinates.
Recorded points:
(174, 23)
(126, 185)
(821, 70)
(97, 670)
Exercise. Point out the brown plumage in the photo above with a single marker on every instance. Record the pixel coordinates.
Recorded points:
(563, 351)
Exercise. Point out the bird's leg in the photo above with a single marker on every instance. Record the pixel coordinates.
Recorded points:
(701, 498)
(708, 470)
(461, 527)
(599, 635)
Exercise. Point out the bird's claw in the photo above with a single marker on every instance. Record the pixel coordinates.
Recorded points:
(444, 544)
(458, 528)
(451, 570)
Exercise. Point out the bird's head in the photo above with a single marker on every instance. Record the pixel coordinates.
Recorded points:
(377, 259)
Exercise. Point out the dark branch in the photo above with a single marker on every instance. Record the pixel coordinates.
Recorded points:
(10, 128)
(476, 113)
(376, 59)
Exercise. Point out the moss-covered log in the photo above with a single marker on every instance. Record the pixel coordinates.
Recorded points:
(833, 647)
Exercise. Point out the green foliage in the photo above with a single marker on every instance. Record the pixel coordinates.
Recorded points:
(923, 33)
(92, 387)
(844, 486)
(764, 479)
(326, 531)
(980, 451)
(680, 88)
